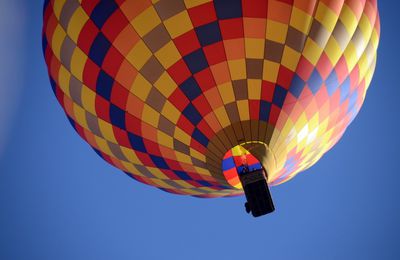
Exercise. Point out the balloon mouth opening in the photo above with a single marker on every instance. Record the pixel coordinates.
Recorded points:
(234, 161)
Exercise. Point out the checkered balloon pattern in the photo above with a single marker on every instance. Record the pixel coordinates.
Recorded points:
(164, 89)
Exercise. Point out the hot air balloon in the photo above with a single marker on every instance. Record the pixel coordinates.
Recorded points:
(202, 97)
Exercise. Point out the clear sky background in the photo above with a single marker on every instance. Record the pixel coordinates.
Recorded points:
(59, 200)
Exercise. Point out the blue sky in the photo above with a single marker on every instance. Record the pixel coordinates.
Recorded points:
(59, 200)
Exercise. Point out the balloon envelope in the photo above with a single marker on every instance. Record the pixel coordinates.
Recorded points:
(165, 89)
